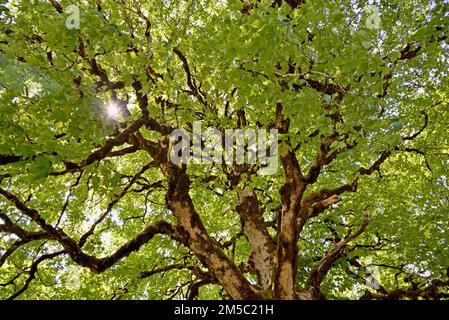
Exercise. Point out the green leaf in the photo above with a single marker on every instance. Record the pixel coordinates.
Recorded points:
(40, 168)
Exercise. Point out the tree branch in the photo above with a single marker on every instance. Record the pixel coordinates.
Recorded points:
(340, 249)
(263, 247)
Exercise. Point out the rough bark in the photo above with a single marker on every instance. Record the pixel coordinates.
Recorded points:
(291, 194)
(198, 239)
(263, 258)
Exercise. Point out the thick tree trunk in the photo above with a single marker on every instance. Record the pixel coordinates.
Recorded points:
(291, 195)
(199, 241)
(263, 257)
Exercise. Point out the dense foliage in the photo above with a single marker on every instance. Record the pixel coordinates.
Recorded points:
(92, 208)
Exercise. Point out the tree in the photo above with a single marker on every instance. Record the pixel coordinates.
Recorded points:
(91, 205)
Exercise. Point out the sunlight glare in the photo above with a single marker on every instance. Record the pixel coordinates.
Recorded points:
(112, 110)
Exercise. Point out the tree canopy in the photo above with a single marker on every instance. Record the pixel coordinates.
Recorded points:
(92, 207)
